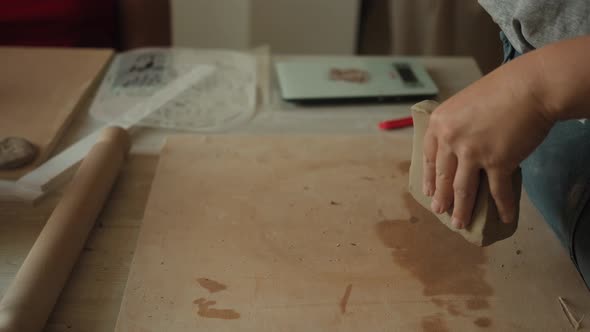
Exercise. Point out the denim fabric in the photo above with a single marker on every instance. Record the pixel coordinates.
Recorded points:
(556, 177)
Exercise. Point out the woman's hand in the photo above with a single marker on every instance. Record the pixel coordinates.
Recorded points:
(490, 126)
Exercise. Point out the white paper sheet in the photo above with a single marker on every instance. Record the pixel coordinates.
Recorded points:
(223, 100)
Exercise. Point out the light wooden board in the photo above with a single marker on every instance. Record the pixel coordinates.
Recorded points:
(315, 233)
(40, 91)
(57, 170)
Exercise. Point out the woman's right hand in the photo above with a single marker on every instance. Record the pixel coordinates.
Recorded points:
(490, 126)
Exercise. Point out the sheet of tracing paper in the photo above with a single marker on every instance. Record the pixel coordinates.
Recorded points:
(225, 99)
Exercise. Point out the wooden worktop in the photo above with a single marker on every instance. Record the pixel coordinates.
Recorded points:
(91, 300)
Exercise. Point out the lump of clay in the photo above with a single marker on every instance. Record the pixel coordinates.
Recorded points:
(16, 152)
(486, 226)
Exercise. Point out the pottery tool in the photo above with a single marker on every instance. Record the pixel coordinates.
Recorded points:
(28, 301)
(486, 226)
(571, 317)
(54, 172)
(396, 123)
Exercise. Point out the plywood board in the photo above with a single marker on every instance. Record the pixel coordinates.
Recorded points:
(40, 91)
(317, 233)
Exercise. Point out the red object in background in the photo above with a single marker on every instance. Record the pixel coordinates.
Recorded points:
(397, 123)
(90, 23)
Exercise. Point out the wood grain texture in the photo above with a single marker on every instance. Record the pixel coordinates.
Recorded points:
(40, 91)
(314, 233)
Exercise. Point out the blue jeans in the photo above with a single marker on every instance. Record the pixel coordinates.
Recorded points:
(556, 177)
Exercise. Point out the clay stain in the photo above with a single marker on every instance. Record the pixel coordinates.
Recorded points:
(450, 306)
(438, 302)
(441, 260)
(344, 300)
(453, 310)
(404, 166)
(477, 304)
(483, 322)
(206, 311)
(211, 285)
(434, 324)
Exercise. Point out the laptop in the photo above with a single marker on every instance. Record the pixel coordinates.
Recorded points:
(362, 79)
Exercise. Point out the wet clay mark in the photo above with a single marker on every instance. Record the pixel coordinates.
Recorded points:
(211, 285)
(453, 310)
(344, 300)
(207, 312)
(438, 302)
(450, 306)
(483, 322)
(404, 166)
(434, 324)
(441, 260)
(477, 303)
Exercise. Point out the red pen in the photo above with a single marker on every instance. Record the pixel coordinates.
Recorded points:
(396, 123)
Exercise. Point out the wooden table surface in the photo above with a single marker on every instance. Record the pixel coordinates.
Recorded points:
(92, 297)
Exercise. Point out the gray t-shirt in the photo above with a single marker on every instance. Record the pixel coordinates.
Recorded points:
(531, 24)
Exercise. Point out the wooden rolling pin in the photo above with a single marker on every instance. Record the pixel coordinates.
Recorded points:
(29, 300)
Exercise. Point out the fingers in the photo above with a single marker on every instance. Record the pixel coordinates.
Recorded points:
(446, 166)
(503, 194)
(428, 164)
(465, 188)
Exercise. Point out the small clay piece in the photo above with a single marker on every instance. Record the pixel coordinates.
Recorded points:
(486, 226)
(16, 152)
(349, 75)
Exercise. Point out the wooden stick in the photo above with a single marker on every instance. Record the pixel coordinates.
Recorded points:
(576, 324)
(30, 298)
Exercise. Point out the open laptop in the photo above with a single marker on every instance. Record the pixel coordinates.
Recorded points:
(362, 79)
